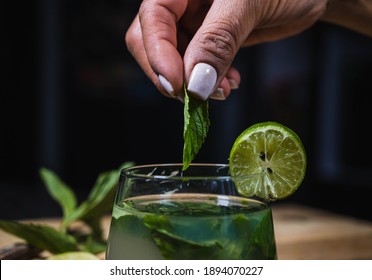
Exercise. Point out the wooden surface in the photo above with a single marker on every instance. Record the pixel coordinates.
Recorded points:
(307, 233)
(301, 233)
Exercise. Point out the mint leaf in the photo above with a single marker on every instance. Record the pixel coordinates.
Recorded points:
(99, 201)
(41, 236)
(100, 198)
(196, 126)
(175, 247)
(93, 245)
(262, 236)
(59, 191)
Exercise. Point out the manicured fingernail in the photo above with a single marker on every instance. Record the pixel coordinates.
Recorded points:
(166, 85)
(181, 98)
(233, 84)
(202, 80)
(218, 94)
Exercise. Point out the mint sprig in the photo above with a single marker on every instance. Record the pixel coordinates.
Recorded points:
(99, 201)
(41, 236)
(60, 192)
(196, 126)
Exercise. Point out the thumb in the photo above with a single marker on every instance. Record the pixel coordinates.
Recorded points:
(214, 46)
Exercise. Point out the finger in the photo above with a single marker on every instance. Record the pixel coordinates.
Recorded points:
(214, 46)
(134, 42)
(133, 39)
(287, 24)
(158, 19)
(271, 34)
(230, 82)
(233, 77)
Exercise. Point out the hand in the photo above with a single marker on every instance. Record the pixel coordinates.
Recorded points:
(195, 41)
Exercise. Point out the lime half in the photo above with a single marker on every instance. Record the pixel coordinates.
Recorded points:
(267, 160)
(74, 256)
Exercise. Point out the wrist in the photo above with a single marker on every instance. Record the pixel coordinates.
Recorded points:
(352, 14)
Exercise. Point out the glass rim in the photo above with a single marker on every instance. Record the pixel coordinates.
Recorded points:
(129, 172)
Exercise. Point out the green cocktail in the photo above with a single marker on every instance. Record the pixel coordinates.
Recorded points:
(162, 212)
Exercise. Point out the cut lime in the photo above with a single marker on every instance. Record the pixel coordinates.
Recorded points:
(267, 160)
(74, 256)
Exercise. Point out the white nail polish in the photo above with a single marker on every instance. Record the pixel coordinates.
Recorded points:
(166, 85)
(233, 84)
(181, 98)
(218, 94)
(202, 80)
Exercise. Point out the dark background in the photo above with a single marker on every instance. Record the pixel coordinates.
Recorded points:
(73, 100)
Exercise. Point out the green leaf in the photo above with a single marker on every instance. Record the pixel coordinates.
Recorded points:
(41, 236)
(196, 126)
(100, 199)
(173, 246)
(93, 245)
(59, 191)
(262, 236)
(130, 225)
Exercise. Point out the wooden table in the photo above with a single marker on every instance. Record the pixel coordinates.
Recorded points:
(308, 233)
(301, 233)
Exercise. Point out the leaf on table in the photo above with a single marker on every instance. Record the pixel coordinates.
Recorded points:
(41, 236)
(196, 126)
(58, 190)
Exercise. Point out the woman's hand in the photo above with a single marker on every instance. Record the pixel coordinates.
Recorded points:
(195, 41)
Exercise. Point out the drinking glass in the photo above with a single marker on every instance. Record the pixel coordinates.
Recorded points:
(162, 212)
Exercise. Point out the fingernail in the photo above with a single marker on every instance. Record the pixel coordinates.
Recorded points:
(233, 84)
(218, 94)
(202, 80)
(166, 85)
(181, 98)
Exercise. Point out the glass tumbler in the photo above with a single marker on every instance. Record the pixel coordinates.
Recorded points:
(162, 212)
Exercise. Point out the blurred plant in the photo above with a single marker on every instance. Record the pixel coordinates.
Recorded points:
(57, 241)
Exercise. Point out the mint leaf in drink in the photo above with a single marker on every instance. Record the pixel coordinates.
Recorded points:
(261, 240)
(196, 126)
(174, 247)
(170, 245)
(41, 236)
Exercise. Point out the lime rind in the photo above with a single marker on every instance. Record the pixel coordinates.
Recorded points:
(275, 153)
